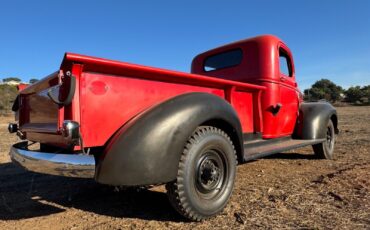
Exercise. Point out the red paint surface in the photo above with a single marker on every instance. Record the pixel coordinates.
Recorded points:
(22, 86)
(127, 98)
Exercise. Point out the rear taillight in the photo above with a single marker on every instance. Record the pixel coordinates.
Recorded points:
(69, 82)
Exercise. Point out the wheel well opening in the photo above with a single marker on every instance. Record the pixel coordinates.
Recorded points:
(229, 130)
(334, 119)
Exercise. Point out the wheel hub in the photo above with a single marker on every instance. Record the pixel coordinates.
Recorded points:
(209, 173)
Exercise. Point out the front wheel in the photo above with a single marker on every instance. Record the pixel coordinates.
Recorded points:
(325, 150)
(206, 174)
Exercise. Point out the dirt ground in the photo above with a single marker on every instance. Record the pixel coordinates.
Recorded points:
(288, 190)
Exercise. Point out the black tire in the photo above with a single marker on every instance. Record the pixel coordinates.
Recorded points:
(325, 150)
(206, 175)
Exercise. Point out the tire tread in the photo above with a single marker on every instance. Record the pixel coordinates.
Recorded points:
(175, 189)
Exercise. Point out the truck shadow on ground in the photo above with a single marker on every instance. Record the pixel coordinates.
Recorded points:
(25, 195)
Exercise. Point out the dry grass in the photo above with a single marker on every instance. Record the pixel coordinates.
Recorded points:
(289, 190)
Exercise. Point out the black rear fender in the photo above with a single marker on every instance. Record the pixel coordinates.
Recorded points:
(147, 149)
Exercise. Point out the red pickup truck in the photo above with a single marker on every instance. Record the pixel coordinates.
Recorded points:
(133, 125)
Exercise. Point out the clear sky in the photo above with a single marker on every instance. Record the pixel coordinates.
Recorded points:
(329, 39)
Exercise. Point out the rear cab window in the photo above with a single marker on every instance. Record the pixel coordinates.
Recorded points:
(223, 60)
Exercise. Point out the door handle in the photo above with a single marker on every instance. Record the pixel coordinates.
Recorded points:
(282, 79)
(275, 109)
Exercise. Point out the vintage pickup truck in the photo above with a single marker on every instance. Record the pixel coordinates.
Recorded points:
(133, 125)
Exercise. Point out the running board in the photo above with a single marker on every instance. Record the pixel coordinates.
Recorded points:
(264, 148)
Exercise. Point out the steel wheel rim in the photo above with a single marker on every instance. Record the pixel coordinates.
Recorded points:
(211, 174)
(329, 138)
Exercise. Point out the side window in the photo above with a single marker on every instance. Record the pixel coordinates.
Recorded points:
(285, 64)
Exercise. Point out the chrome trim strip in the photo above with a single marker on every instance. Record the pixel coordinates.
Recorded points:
(69, 165)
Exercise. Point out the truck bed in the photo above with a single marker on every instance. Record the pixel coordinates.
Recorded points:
(110, 93)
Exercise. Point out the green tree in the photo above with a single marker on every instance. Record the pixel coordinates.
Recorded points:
(366, 92)
(11, 79)
(323, 89)
(354, 94)
(33, 80)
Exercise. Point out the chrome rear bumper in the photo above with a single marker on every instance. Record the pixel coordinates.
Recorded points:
(69, 165)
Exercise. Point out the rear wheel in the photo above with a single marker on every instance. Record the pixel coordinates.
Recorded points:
(206, 174)
(325, 150)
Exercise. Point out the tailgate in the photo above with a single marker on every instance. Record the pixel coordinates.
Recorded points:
(40, 105)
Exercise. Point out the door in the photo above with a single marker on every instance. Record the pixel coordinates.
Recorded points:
(289, 94)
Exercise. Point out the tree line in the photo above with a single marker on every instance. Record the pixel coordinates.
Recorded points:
(328, 90)
(8, 93)
(9, 79)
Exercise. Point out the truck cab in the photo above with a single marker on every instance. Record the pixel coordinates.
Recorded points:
(264, 61)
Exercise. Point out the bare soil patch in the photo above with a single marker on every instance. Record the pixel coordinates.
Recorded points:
(288, 190)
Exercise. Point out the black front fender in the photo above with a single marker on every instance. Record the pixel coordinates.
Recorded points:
(147, 149)
(313, 120)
